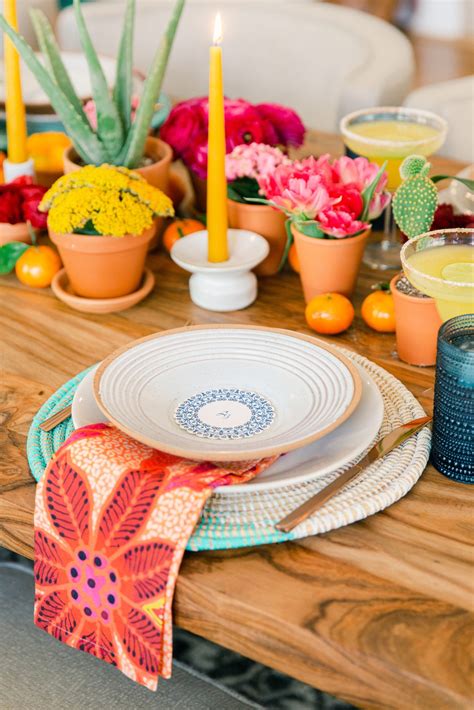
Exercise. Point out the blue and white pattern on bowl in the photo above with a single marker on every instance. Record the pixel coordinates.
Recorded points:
(228, 413)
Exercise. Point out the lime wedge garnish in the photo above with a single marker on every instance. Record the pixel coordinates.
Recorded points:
(460, 272)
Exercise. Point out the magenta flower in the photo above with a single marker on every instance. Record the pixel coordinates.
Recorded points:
(187, 124)
(285, 122)
(184, 121)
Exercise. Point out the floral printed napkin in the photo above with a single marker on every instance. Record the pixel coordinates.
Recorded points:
(112, 520)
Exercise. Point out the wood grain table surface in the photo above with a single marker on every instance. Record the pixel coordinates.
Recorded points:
(379, 613)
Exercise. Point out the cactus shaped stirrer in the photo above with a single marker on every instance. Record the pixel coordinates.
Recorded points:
(415, 201)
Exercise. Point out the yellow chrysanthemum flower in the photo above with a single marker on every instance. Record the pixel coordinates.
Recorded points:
(109, 200)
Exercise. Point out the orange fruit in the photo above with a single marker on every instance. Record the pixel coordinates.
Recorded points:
(378, 311)
(329, 314)
(180, 228)
(293, 259)
(37, 266)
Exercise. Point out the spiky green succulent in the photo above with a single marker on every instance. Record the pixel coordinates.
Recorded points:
(415, 201)
(116, 140)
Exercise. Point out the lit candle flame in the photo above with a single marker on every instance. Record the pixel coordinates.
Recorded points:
(217, 38)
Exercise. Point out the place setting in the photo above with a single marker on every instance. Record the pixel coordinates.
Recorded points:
(214, 393)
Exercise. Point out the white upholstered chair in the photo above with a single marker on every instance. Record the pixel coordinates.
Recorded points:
(454, 101)
(49, 7)
(321, 59)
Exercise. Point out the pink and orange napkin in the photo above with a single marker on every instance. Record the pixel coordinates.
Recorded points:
(112, 520)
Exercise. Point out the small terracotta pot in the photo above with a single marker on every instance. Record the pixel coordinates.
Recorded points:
(103, 267)
(14, 233)
(264, 220)
(417, 322)
(329, 264)
(157, 174)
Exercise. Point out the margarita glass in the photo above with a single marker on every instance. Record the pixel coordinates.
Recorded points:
(389, 134)
(440, 264)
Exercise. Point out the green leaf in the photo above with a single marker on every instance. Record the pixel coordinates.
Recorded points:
(124, 78)
(310, 228)
(243, 189)
(135, 145)
(52, 55)
(109, 125)
(85, 141)
(468, 183)
(9, 255)
(369, 191)
(289, 242)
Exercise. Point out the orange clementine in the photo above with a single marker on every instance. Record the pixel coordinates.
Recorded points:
(329, 314)
(180, 228)
(293, 259)
(378, 311)
(37, 266)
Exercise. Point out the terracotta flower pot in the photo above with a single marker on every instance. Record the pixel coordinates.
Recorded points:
(329, 264)
(14, 233)
(417, 325)
(264, 220)
(103, 267)
(157, 174)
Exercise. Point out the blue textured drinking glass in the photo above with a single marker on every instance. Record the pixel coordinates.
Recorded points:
(452, 451)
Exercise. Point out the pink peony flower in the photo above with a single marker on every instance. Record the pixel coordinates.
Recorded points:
(285, 122)
(253, 161)
(298, 192)
(195, 154)
(339, 224)
(359, 173)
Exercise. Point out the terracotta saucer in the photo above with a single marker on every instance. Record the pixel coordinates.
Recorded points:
(62, 290)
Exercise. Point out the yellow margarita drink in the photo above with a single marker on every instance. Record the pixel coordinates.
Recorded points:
(441, 265)
(392, 141)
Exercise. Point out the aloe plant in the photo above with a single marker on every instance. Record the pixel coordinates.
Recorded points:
(116, 140)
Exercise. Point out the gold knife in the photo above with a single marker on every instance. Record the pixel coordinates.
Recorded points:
(382, 448)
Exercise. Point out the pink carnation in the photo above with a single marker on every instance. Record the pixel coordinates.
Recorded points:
(360, 173)
(253, 161)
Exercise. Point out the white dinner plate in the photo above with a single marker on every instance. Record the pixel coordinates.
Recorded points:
(336, 449)
(227, 393)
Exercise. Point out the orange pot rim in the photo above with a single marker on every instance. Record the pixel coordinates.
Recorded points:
(405, 296)
(99, 243)
(330, 242)
(162, 148)
(262, 208)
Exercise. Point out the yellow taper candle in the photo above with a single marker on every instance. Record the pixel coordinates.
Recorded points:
(216, 181)
(14, 107)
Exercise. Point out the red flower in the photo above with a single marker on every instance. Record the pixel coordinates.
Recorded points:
(184, 121)
(10, 205)
(444, 218)
(186, 128)
(285, 122)
(19, 201)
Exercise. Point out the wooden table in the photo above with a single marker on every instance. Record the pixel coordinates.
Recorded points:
(378, 613)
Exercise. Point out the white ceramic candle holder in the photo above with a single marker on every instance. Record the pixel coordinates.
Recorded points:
(11, 171)
(228, 285)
